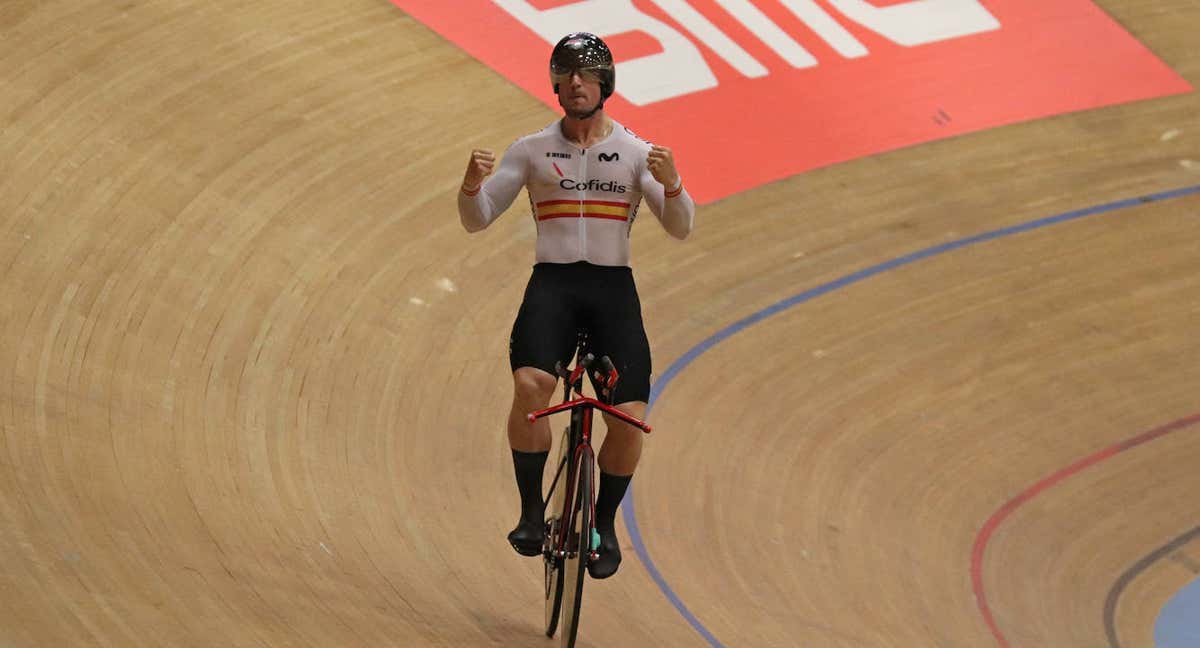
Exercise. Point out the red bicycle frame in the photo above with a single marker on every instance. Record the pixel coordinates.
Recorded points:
(584, 407)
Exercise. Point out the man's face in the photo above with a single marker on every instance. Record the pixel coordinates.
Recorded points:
(578, 92)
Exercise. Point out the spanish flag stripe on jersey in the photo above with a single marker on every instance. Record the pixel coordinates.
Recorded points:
(606, 203)
(575, 212)
(620, 217)
(587, 208)
(575, 209)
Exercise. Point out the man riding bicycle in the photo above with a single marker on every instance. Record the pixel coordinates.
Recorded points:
(586, 176)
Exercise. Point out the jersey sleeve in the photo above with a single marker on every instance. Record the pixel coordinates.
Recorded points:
(677, 213)
(482, 208)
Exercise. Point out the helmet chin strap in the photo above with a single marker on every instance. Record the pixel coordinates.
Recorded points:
(587, 115)
(593, 111)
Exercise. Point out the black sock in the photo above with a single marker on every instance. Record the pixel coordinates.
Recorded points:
(529, 467)
(612, 490)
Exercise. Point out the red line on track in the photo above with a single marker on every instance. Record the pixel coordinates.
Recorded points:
(997, 518)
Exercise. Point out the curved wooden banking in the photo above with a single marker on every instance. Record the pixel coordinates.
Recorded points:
(253, 384)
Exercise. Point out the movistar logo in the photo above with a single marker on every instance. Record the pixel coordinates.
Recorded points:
(605, 157)
(594, 184)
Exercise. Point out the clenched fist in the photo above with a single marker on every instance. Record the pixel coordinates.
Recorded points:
(662, 166)
(480, 167)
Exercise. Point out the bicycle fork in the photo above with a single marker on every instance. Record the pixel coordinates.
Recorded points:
(583, 452)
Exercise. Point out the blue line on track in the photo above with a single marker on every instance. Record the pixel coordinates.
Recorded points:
(628, 512)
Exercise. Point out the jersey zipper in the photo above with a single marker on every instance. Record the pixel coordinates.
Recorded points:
(582, 221)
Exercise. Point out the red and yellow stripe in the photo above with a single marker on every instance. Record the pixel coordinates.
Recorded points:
(607, 209)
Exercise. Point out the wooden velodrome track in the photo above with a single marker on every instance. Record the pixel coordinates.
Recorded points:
(253, 375)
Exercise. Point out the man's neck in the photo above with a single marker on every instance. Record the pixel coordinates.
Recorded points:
(586, 132)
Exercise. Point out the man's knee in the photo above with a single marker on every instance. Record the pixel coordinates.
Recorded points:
(533, 385)
(636, 409)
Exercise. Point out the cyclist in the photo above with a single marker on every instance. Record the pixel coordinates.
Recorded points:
(586, 175)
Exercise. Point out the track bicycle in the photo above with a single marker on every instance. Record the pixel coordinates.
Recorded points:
(570, 539)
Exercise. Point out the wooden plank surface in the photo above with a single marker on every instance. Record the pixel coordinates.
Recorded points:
(253, 382)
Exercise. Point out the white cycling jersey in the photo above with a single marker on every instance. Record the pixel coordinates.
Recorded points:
(583, 201)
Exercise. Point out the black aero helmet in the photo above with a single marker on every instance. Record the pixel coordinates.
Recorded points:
(583, 52)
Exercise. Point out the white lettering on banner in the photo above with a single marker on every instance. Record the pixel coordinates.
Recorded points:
(768, 32)
(826, 27)
(921, 21)
(679, 69)
(713, 37)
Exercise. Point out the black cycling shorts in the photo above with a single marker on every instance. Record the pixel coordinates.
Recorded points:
(564, 298)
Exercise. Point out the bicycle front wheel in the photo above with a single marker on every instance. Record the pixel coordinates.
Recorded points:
(579, 547)
(553, 565)
(553, 570)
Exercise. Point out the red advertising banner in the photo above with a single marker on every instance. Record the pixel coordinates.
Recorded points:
(747, 92)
